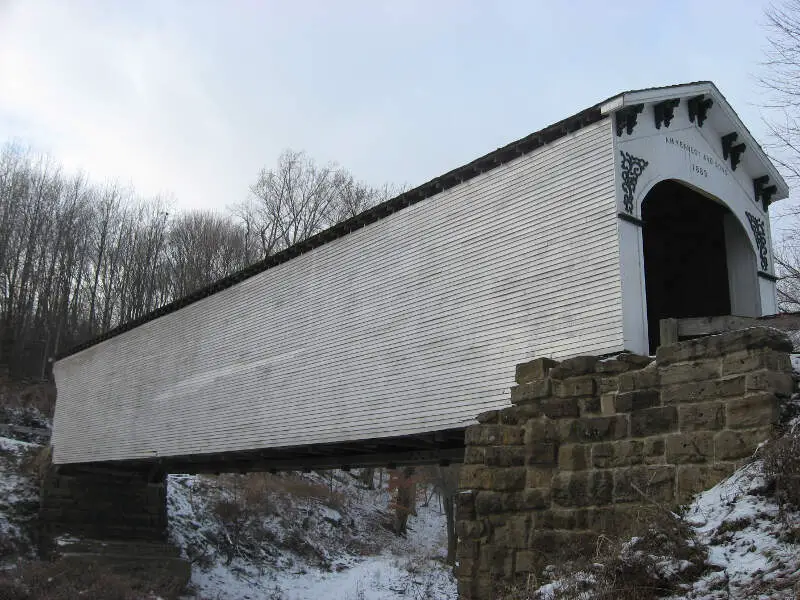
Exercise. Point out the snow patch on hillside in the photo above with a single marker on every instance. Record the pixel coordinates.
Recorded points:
(337, 548)
(19, 499)
(748, 552)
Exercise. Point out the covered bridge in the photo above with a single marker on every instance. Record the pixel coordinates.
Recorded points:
(381, 338)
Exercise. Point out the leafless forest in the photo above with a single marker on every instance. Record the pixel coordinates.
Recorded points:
(78, 257)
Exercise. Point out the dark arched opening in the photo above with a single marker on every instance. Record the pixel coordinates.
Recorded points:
(685, 257)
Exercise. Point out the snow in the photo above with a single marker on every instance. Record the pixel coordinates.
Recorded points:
(743, 530)
(354, 556)
(18, 496)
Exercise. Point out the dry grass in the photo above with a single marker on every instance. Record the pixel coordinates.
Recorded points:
(63, 580)
(781, 458)
(641, 566)
(256, 488)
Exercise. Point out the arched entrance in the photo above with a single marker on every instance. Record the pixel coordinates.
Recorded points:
(698, 261)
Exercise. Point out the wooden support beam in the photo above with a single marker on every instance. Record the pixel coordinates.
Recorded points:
(668, 331)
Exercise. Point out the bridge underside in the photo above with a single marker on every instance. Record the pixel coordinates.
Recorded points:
(439, 447)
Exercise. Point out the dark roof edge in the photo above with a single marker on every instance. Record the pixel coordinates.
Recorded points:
(485, 163)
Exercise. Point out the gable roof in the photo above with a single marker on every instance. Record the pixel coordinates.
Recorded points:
(436, 185)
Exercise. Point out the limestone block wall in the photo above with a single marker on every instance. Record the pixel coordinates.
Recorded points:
(104, 502)
(586, 441)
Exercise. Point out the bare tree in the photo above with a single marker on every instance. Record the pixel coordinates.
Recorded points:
(445, 483)
(77, 259)
(300, 198)
(781, 80)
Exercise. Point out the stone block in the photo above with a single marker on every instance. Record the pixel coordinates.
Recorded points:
(475, 477)
(746, 361)
(494, 435)
(518, 528)
(508, 478)
(724, 343)
(699, 370)
(504, 456)
(607, 519)
(694, 447)
(612, 366)
(559, 543)
(574, 367)
(560, 518)
(779, 383)
(496, 520)
(700, 391)
(583, 488)
(637, 400)
(654, 450)
(606, 383)
(465, 504)
(489, 503)
(470, 530)
(645, 483)
(532, 391)
(608, 403)
(692, 479)
(527, 561)
(490, 417)
(590, 407)
(598, 429)
(493, 558)
(703, 416)
(757, 410)
(558, 408)
(468, 549)
(542, 453)
(637, 361)
(573, 457)
(574, 387)
(621, 363)
(519, 414)
(624, 453)
(653, 421)
(734, 445)
(535, 370)
(542, 429)
(475, 455)
(535, 498)
(539, 477)
(643, 379)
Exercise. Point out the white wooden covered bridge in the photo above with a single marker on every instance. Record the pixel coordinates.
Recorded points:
(381, 338)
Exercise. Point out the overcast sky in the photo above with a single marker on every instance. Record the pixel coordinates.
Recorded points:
(192, 98)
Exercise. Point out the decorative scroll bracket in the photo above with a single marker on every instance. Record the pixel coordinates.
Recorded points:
(631, 168)
(627, 118)
(663, 112)
(760, 234)
(729, 150)
(762, 191)
(698, 109)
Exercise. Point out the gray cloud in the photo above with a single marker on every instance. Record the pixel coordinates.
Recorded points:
(193, 97)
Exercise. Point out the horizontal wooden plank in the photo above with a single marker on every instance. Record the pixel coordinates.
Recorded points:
(409, 325)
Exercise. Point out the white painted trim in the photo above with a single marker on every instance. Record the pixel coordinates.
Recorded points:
(686, 91)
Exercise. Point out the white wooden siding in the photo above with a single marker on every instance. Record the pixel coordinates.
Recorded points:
(409, 325)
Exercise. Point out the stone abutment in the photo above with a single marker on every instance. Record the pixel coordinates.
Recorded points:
(588, 442)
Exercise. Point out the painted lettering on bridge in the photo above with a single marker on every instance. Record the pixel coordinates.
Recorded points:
(704, 160)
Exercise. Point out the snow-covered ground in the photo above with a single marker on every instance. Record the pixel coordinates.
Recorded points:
(748, 551)
(315, 551)
(19, 499)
